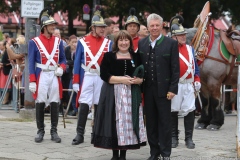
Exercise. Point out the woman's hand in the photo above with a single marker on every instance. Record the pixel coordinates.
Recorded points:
(127, 80)
(137, 80)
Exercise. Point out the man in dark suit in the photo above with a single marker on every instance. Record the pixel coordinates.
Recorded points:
(160, 58)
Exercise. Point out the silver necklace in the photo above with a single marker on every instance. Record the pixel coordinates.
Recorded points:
(123, 54)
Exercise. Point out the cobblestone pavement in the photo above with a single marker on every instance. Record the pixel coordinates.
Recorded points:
(17, 142)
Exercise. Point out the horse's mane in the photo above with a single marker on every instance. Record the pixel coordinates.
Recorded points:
(190, 34)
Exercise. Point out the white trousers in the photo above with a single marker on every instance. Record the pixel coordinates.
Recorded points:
(91, 87)
(184, 101)
(48, 88)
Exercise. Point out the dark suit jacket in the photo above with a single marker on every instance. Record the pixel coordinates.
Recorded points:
(68, 57)
(6, 63)
(167, 63)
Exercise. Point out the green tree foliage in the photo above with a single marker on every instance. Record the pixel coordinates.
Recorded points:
(233, 7)
(5, 8)
(166, 8)
(74, 8)
(1, 36)
(121, 8)
(169, 8)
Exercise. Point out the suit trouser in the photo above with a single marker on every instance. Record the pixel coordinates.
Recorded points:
(158, 122)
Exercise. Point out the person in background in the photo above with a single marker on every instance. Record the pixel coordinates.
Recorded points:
(67, 76)
(109, 29)
(86, 80)
(18, 64)
(165, 28)
(57, 33)
(160, 58)
(119, 119)
(66, 39)
(189, 84)
(47, 62)
(17, 57)
(115, 29)
(5, 66)
(132, 25)
(143, 32)
(6, 37)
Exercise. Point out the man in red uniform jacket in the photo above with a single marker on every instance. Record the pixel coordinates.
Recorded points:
(46, 64)
(132, 25)
(189, 83)
(86, 71)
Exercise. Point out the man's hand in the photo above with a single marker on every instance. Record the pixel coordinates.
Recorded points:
(32, 87)
(59, 71)
(170, 95)
(197, 86)
(76, 87)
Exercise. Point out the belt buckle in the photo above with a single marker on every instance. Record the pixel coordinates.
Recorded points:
(92, 70)
(183, 81)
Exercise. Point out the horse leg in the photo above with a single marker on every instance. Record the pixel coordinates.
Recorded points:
(206, 115)
(217, 115)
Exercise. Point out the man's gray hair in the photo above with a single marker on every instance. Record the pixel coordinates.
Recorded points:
(154, 16)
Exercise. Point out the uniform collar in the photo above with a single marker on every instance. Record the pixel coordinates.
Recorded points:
(44, 37)
(98, 38)
(136, 37)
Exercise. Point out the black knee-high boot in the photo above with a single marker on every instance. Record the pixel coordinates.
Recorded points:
(122, 154)
(188, 125)
(115, 155)
(40, 122)
(82, 119)
(54, 122)
(174, 119)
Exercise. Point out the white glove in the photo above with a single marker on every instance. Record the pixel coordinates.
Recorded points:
(59, 71)
(32, 87)
(76, 87)
(197, 86)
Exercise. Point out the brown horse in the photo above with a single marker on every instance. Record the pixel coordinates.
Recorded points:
(213, 73)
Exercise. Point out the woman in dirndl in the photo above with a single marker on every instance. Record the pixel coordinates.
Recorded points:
(119, 121)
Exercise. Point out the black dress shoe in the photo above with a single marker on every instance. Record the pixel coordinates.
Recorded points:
(78, 139)
(153, 157)
(165, 158)
(114, 158)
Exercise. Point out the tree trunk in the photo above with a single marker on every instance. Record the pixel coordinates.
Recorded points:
(120, 21)
(71, 30)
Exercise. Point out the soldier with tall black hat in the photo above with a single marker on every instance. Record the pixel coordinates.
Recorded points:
(189, 83)
(132, 25)
(46, 65)
(86, 77)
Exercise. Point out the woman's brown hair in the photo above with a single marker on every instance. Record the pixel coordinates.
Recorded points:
(122, 34)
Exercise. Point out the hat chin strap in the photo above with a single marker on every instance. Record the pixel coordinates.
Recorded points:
(48, 31)
(96, 31)
(178, 41)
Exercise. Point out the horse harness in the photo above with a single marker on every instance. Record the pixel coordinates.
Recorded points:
(231, 39)
(203, 41)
